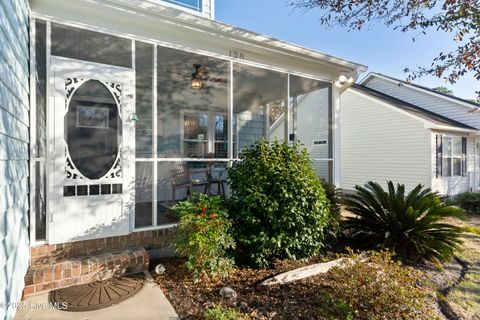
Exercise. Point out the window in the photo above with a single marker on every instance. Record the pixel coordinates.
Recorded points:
(453, 156)
(195, 136)
(93, 129)
(190, 4)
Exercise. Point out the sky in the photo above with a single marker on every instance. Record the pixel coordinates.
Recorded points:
(382, 49)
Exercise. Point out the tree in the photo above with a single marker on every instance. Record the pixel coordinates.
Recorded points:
(444, 90)
(459, 17)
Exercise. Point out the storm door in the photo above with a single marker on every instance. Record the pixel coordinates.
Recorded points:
(91, 150)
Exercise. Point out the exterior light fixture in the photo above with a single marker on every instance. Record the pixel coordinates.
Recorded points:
(344, 78)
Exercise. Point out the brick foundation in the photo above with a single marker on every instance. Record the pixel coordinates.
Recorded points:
(67, 264)
(155, 239)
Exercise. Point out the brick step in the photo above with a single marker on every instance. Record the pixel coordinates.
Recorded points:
(81, 270)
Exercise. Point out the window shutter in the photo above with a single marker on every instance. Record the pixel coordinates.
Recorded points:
(464, 156)
(439, 155)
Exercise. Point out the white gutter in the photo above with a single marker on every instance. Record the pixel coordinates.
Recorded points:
(440, 127)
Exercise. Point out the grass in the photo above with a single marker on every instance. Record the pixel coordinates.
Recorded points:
(465, 297)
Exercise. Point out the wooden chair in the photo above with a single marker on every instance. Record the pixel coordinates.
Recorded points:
(182, 179)
(216, 179)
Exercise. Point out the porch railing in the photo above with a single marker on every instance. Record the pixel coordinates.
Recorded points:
(473, 180)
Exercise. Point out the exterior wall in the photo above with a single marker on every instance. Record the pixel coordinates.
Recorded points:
(14, 139)
(381, 143)
(313, 124)
(309, 128)
(429, 101)
(452, 185)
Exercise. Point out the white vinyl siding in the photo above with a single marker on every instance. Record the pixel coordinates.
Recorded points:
(426, 100)
(311, 109)
(380, 143)
(14, 154)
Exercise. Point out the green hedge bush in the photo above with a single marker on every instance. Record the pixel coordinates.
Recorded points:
(334, 198)
(204, 236)
(469, 201)
(278, 204)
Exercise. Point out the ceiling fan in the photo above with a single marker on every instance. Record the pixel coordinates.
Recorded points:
(200, 78)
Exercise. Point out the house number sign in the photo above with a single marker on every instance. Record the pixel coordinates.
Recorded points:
(236, 54)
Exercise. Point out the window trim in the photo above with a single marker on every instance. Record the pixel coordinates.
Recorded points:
(451, 156)
(179, 3)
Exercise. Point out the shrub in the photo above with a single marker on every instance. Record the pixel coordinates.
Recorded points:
(333, 197)
(376, 288)
(204, 236)
(279, 206)
(469, 201)
(411, 224)
(220, 313)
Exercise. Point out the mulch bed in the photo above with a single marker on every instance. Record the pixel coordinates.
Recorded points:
(298, 300)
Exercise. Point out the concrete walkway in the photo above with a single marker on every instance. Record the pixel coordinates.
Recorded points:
(148, 304)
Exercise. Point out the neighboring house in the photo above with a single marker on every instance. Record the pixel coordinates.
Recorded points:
(102, 101)
(399, 131)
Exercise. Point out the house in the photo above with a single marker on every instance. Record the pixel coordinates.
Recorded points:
(399, 131)
(105, 103)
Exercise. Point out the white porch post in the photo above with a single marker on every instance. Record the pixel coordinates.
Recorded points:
(336, 126)
(287, 112)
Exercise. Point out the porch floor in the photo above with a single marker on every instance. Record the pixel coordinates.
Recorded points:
(149, 303)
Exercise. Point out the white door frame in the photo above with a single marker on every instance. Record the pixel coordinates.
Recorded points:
(58, 205)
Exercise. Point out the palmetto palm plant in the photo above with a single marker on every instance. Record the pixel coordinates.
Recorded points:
(411, 224)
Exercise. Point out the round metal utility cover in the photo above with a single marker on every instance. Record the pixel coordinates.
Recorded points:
(97, 295)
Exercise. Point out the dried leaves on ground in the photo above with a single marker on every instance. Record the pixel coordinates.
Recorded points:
(317, 297)
(292, 301)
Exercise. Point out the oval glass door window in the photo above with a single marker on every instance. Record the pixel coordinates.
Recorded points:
(93, 129)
